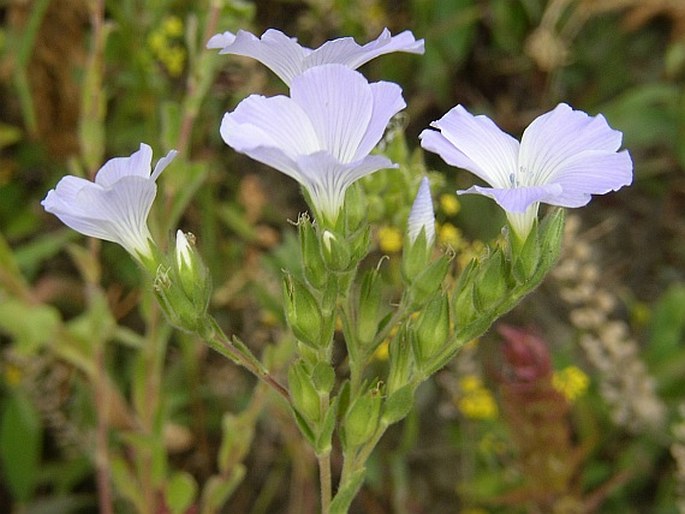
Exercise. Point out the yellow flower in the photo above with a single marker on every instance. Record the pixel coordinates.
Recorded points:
(172, 26)
(449, 204)
(476, 402)
(157, 42)
(389, 239)
(470, 383)
(469, 252)
(382, 353)
(13, 375)
(174, 59)
(571, 381)
(450, 235)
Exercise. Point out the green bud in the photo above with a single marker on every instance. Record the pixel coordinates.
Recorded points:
(336, 251)
(464, 304)
(314, 267)
(401, 361)
(178, 308)
(191, 272)
(368, 307)
(362, 417)
(398, 405)
(415, 257)
(359, 242)
(323, 377)
(302, 311)
(432, 329)
(355, 208)
(303, 393)
(551, 235)
(429, 280)
(491, 282)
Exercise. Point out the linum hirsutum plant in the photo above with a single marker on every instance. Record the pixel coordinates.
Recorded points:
(323, 135)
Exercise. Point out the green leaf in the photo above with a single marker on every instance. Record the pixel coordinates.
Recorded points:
(31, 326)
(218, 489)
(323, 441)
(126, 483)
(181, 491)
(398, 405)
(20, 446)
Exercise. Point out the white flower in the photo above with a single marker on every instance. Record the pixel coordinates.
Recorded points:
(565, 156)
(422, 215)
(288, 59)
(115, 207)
(321, 135)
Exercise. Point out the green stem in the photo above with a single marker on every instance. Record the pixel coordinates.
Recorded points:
(325, 481)
(240, 354)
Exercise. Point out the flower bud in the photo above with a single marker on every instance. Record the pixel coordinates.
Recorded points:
(429, 280)
(361, 420)
(302, 312)
(336, 251)
(491, 282)
(420, 233)
(463, 302)
(551, 234)
(176, 305)
(432, 329)
(368, 307)
(355, 209)
(303, 393)
(191, 272)
(401, 361)
(313, 265)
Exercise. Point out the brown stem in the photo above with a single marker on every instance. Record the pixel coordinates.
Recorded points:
(101, 441)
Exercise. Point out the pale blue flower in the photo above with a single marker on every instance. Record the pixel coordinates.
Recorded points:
(321, 135)
(115, 207)
(288, 59)
(422, 215)
(564, 157)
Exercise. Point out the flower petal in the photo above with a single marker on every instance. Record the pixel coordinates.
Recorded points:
(474, 143)
(163, 163)
(387, 101)
(339, 103)
(280, 53)
(137, 164)
(346, 50)
(422, 215)
(219, 41)
(122, 211)
(518, 199)
(592, 173)
(276, 122)
(326, 179)
(559, 135)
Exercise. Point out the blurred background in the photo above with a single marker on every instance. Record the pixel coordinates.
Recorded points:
(575, 404)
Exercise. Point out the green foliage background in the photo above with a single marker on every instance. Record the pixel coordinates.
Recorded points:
(73, 94)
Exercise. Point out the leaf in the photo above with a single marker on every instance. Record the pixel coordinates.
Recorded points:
(218, 489)
(20, 446)
(31, 326)
(181, 491)
(398, 404)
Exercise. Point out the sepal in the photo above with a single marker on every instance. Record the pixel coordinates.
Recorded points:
(362, 417)
(302, 312)
(303, 393)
